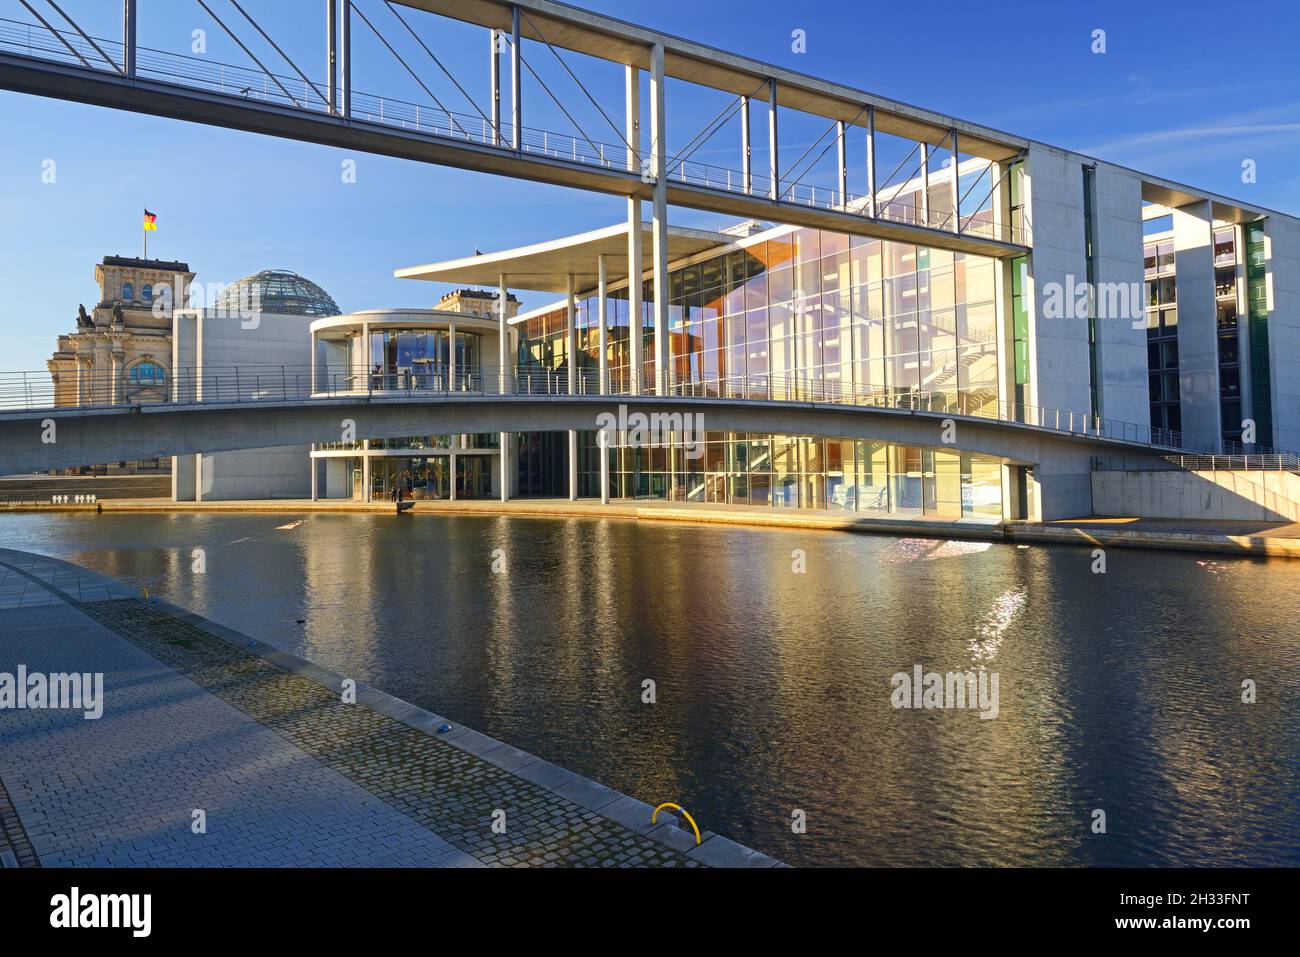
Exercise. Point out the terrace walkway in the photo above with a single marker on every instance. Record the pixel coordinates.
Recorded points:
(197, 717)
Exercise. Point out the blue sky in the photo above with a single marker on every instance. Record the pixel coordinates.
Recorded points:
(1185, 90)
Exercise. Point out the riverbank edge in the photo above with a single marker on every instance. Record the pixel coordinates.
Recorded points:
(714, 850)
(1081, 532)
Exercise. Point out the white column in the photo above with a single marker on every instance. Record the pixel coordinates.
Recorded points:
(925, 184)
(451, 357)
(571, 347)
(602, 444)
(505, 466)
(956, 187)
(602, 314)
(659, 165)
(503, 336)
(841, 152)
(774, 166)
(315, 478)
(871, 162)
(494, 72)
(634, 267)
(573, 465)
(746, 149)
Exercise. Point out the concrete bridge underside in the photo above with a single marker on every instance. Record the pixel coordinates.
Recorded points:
(1061, 461)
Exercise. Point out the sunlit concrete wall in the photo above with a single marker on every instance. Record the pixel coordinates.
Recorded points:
(1236, 495)
(1198, 342)
(1121, 338)
(203, 342)
(1283, 236)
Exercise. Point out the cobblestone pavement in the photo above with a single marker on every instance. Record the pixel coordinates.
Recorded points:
(286, 772)
(440, 786)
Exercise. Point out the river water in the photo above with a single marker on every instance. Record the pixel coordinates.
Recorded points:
(1118, 692)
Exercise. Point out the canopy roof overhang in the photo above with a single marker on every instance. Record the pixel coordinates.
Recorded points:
(546, 267)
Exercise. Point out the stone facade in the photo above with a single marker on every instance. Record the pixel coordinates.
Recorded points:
(477, 302)
(121, 349)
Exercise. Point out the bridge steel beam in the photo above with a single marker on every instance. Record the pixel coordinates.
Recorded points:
(39, 77)
(516, 83)
(345, 60)
(332, 54)
(494, 79)
(1062, 462)
(636, 358)
(128, 37)
(659, 231)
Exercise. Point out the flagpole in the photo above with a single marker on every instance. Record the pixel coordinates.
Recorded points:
(144, 224)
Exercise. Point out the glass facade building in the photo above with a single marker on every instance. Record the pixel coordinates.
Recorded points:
(800, 310)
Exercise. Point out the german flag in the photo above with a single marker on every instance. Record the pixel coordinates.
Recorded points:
(150, 221)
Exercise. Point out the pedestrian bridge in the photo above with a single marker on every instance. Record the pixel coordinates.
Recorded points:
(247, 408)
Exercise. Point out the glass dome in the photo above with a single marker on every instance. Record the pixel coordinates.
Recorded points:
(277, 291)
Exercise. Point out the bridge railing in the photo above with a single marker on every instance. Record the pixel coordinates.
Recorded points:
(227, 79)
(148, 384)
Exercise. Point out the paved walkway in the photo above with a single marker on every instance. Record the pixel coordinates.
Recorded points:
(286, 773)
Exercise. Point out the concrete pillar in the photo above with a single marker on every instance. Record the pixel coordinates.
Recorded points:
(602, 316)
(451, 357)
(505, 467)
(1198, 341)
(659, 166)
(184, 483)
(573, 465)
(634, 266)
(365, 470)
(603, 444)
(451, 470)
(503, 333)
(315, 478)
(571, 337)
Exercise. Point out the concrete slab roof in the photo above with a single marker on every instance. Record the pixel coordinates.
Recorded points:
(546, 266)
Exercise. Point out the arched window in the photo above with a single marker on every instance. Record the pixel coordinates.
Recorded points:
(146, 293)
(146, 374)
(128, 292)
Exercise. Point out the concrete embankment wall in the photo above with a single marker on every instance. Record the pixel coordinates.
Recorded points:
(1230, 495)
(40, 488)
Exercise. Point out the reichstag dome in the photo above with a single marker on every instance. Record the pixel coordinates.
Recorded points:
(277, 291)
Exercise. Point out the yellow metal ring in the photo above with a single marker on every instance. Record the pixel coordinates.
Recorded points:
(686, 814)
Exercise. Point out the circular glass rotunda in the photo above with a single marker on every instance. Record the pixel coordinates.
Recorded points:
(279, 292)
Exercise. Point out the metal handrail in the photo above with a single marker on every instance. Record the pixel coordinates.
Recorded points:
(36, 391)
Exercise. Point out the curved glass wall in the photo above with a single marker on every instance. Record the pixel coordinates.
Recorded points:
(806, 311)
(417, 358)
(789, 471)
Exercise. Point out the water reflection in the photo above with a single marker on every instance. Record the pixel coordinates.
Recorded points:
(1118, 691)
